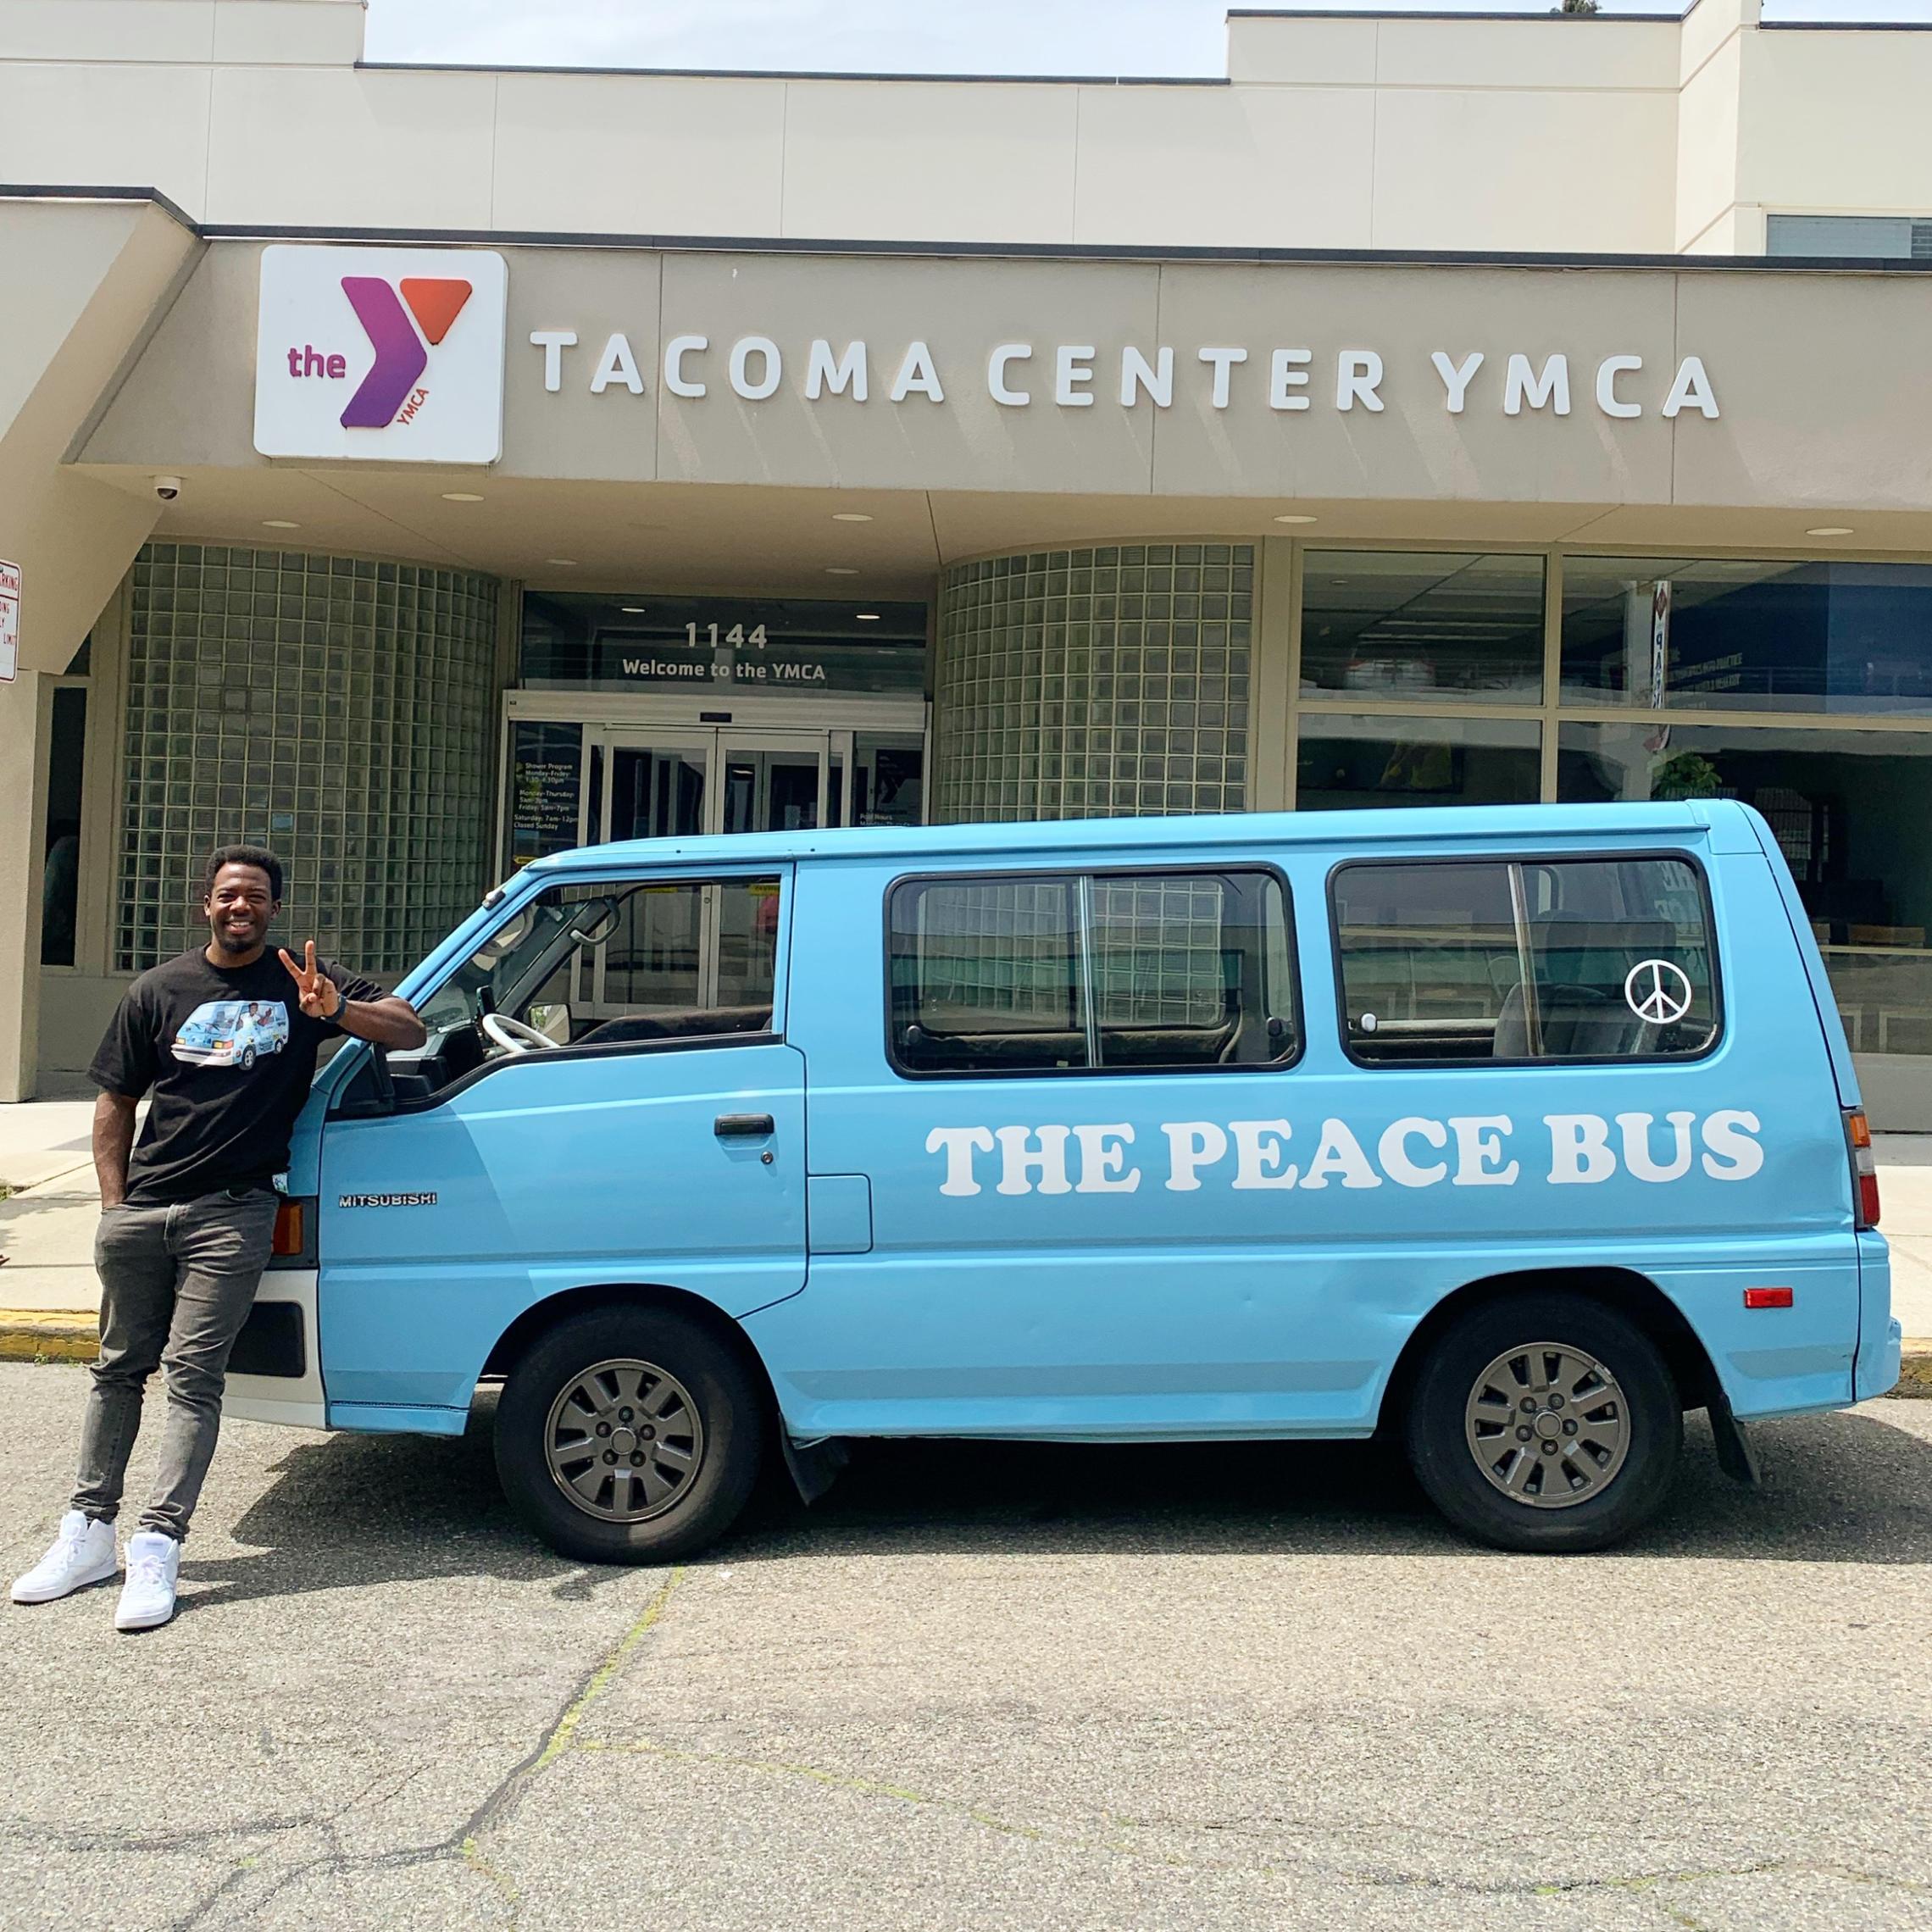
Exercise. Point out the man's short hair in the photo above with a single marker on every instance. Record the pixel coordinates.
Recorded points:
(256, 856)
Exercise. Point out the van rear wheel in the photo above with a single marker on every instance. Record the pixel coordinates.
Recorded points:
(1546, 1423)
(629, 1435)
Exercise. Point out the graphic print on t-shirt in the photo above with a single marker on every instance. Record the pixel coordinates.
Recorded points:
(232, 1033)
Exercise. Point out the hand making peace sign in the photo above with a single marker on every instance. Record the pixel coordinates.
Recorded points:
(319, 995)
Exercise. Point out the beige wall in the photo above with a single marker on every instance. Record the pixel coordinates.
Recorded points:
(1543, 134)
(1837, 123)
(86, 283)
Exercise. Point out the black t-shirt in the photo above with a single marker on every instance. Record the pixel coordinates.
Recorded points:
(229, 1054)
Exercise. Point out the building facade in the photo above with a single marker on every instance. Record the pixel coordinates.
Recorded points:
(418, 471)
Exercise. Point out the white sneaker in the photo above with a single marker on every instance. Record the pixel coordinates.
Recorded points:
(147, 1597)
(82, 1553)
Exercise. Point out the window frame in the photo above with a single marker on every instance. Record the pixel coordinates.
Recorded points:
(784, 871)
(1070, 876)
(1719, 1009)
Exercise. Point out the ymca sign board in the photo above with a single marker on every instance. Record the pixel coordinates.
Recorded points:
(394, 354)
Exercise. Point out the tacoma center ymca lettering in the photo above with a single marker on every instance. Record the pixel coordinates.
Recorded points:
(1071, 376)
(1464, 1150)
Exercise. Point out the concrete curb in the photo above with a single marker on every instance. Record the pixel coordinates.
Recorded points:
(64, 1335)
(28, 1334)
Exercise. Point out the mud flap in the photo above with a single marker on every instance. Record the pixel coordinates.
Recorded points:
(1736, 1456)
(814, 1466)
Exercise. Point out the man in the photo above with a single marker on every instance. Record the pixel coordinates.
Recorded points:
(187, 1221)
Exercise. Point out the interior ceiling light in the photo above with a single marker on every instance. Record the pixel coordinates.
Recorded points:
(279, 523)
(563, 563)
(1830, 529)
(868, 617)
(461, 496)
(840, 570)
(1296, 519)
(632, 610)
(850, 516)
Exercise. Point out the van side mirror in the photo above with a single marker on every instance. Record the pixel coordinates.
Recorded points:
(371, 1092)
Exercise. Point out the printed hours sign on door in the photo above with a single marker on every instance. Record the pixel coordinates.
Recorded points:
(9, 621)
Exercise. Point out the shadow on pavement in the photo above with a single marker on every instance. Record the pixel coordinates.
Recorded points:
(1838, 1488)
(357, 1510)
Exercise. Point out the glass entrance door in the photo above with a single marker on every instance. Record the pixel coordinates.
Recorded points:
(654, 789)
(779, 781)
(685, 783)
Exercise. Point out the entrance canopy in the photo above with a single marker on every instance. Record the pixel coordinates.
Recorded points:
(763, 418)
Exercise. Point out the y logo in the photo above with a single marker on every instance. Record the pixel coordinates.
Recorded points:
(381, 354)
(436, 301)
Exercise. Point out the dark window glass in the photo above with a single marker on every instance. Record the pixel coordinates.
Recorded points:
(1159, 971)
(1867, 237)
(1346, 761)
(1735, 634)
(985, 976)
(1852, 811)
(1422, 624)
(595, 963)
(1578, 959)
(888, 781)
(1191, 969)
(1622, 952)
(1429, 960)
(657, 792)
(60, 875)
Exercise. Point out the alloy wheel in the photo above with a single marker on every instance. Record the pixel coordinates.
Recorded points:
(1548, 1425)
(624, 1440)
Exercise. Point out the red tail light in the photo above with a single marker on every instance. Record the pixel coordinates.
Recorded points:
(288, 1229)
(1865, 1167)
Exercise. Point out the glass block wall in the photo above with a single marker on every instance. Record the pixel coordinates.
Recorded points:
(338, 712)
(1102, 683)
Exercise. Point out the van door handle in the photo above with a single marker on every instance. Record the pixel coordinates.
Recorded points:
(728, 1126)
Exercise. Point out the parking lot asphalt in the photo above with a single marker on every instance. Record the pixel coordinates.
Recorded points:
(1074, 1688)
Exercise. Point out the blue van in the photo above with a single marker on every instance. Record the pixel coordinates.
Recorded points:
(1514, 1133)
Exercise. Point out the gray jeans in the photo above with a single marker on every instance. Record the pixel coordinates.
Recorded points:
(176, 1285)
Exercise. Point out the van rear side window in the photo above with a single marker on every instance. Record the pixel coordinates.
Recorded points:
(1085, 973)
(1455, 961)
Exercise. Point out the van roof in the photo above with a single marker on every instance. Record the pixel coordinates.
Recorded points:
(1043, 839)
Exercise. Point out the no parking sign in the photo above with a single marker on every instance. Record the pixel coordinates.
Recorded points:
(9, 621)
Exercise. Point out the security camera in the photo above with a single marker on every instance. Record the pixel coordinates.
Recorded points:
(167, 488)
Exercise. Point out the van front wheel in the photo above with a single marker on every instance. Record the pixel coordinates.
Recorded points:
(628, 1435)
(1546, 1423)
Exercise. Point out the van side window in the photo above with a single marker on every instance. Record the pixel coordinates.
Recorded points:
(1454, 961)
(607, 963)
(1085, 973)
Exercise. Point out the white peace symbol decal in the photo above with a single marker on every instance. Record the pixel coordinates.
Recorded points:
(1658, 992)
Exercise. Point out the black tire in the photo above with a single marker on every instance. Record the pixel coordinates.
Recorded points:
(728, 1433)
(248, 1059)
(1439, 1423)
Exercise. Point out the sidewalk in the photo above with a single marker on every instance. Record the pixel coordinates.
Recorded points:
(46, 1225)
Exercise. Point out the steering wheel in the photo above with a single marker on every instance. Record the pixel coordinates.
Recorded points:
(513, 1036)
